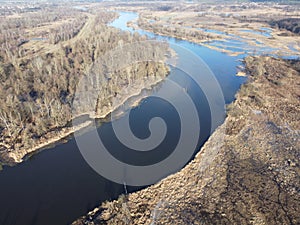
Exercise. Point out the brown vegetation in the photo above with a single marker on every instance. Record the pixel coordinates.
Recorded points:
(248, 171)
(247, 23)
(176, 31)
(38, 85)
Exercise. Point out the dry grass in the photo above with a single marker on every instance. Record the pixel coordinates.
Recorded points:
(230, 19)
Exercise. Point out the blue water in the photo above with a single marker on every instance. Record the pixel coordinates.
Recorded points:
(82, 8)
(212, 31)
(264, 32)
(57, 186)
(230, 42)
(222, 65)
(292, 48)
(39, 39)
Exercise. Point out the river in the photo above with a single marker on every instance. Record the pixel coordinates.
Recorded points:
(57, 186)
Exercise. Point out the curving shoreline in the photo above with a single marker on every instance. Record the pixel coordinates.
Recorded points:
(250, 161)
(250, 38)
(13, 157)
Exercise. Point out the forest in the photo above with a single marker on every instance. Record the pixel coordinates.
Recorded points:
(42, 58)
(290, 24)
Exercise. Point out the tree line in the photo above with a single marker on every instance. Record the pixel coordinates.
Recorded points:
(37, 92)
(176, 31)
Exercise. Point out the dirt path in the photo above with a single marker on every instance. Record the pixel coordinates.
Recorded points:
(43, 47)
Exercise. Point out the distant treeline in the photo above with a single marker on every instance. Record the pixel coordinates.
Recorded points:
(290, 24)
(176, 31)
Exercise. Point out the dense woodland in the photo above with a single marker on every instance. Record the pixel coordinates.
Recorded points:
(290, 24)
(38, 84)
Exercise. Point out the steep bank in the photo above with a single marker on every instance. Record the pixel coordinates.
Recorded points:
(247, 172)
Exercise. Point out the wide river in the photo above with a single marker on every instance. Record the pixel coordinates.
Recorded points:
(57, 186)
